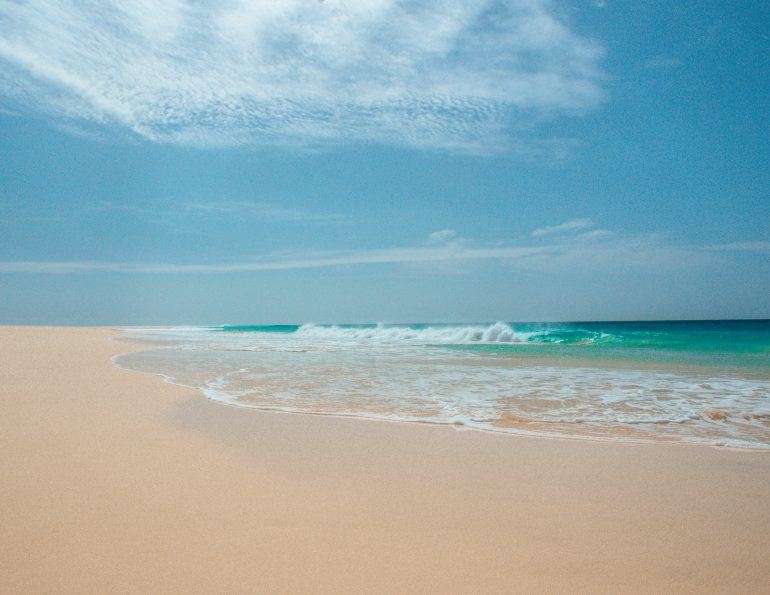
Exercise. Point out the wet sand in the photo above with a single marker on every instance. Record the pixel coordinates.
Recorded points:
(114, 481)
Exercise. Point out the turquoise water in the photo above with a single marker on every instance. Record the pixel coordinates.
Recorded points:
(734, 336)
(742, 345)
(697, 381)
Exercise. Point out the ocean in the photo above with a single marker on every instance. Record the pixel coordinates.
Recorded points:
(705, 382)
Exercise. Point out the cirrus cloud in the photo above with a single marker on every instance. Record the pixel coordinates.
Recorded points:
(456, 74)
(605, 252)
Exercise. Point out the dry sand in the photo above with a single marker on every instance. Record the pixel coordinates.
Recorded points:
(113, 481)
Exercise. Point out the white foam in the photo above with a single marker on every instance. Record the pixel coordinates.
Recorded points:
(499, 332)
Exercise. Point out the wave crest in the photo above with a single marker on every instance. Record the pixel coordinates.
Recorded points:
(499, 332)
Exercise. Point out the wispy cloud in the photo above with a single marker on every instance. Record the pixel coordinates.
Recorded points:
(602, 251)
(441, 235)
(757, 246)
(461, 74)
(594, 234)
(262, 210)
(222, 208)
(571, 225)
(282, 262)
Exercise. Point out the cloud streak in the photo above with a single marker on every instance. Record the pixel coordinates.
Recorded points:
(253, 210)
(571, 225)
(261, 210)
(281, 262)
(454, 74)
(603, 252)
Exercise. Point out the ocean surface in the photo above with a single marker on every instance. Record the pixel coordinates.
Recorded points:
(702, 382)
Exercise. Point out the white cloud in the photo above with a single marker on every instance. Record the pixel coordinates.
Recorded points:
(605, 252)
(566, 226)
(463, 74)
(442, 235)
(594, 234)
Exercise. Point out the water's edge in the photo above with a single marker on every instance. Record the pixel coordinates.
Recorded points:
(137, 339)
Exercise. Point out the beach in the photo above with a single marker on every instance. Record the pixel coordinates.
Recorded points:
(115, 481)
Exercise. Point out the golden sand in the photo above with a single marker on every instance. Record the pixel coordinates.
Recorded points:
(113, 481)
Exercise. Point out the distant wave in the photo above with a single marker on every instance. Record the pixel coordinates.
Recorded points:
(499, 332)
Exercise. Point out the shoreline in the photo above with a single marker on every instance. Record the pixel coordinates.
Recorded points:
(540, 435)
(116, 481)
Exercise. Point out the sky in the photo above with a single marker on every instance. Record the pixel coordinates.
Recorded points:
(383, 161)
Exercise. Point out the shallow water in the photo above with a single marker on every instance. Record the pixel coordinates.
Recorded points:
(704, 382)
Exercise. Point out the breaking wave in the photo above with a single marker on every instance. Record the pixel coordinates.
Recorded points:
(500, 332)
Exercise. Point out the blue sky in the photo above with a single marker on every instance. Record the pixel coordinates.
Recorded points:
(382, 160)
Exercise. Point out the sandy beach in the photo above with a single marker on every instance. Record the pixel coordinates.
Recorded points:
(114, 481)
